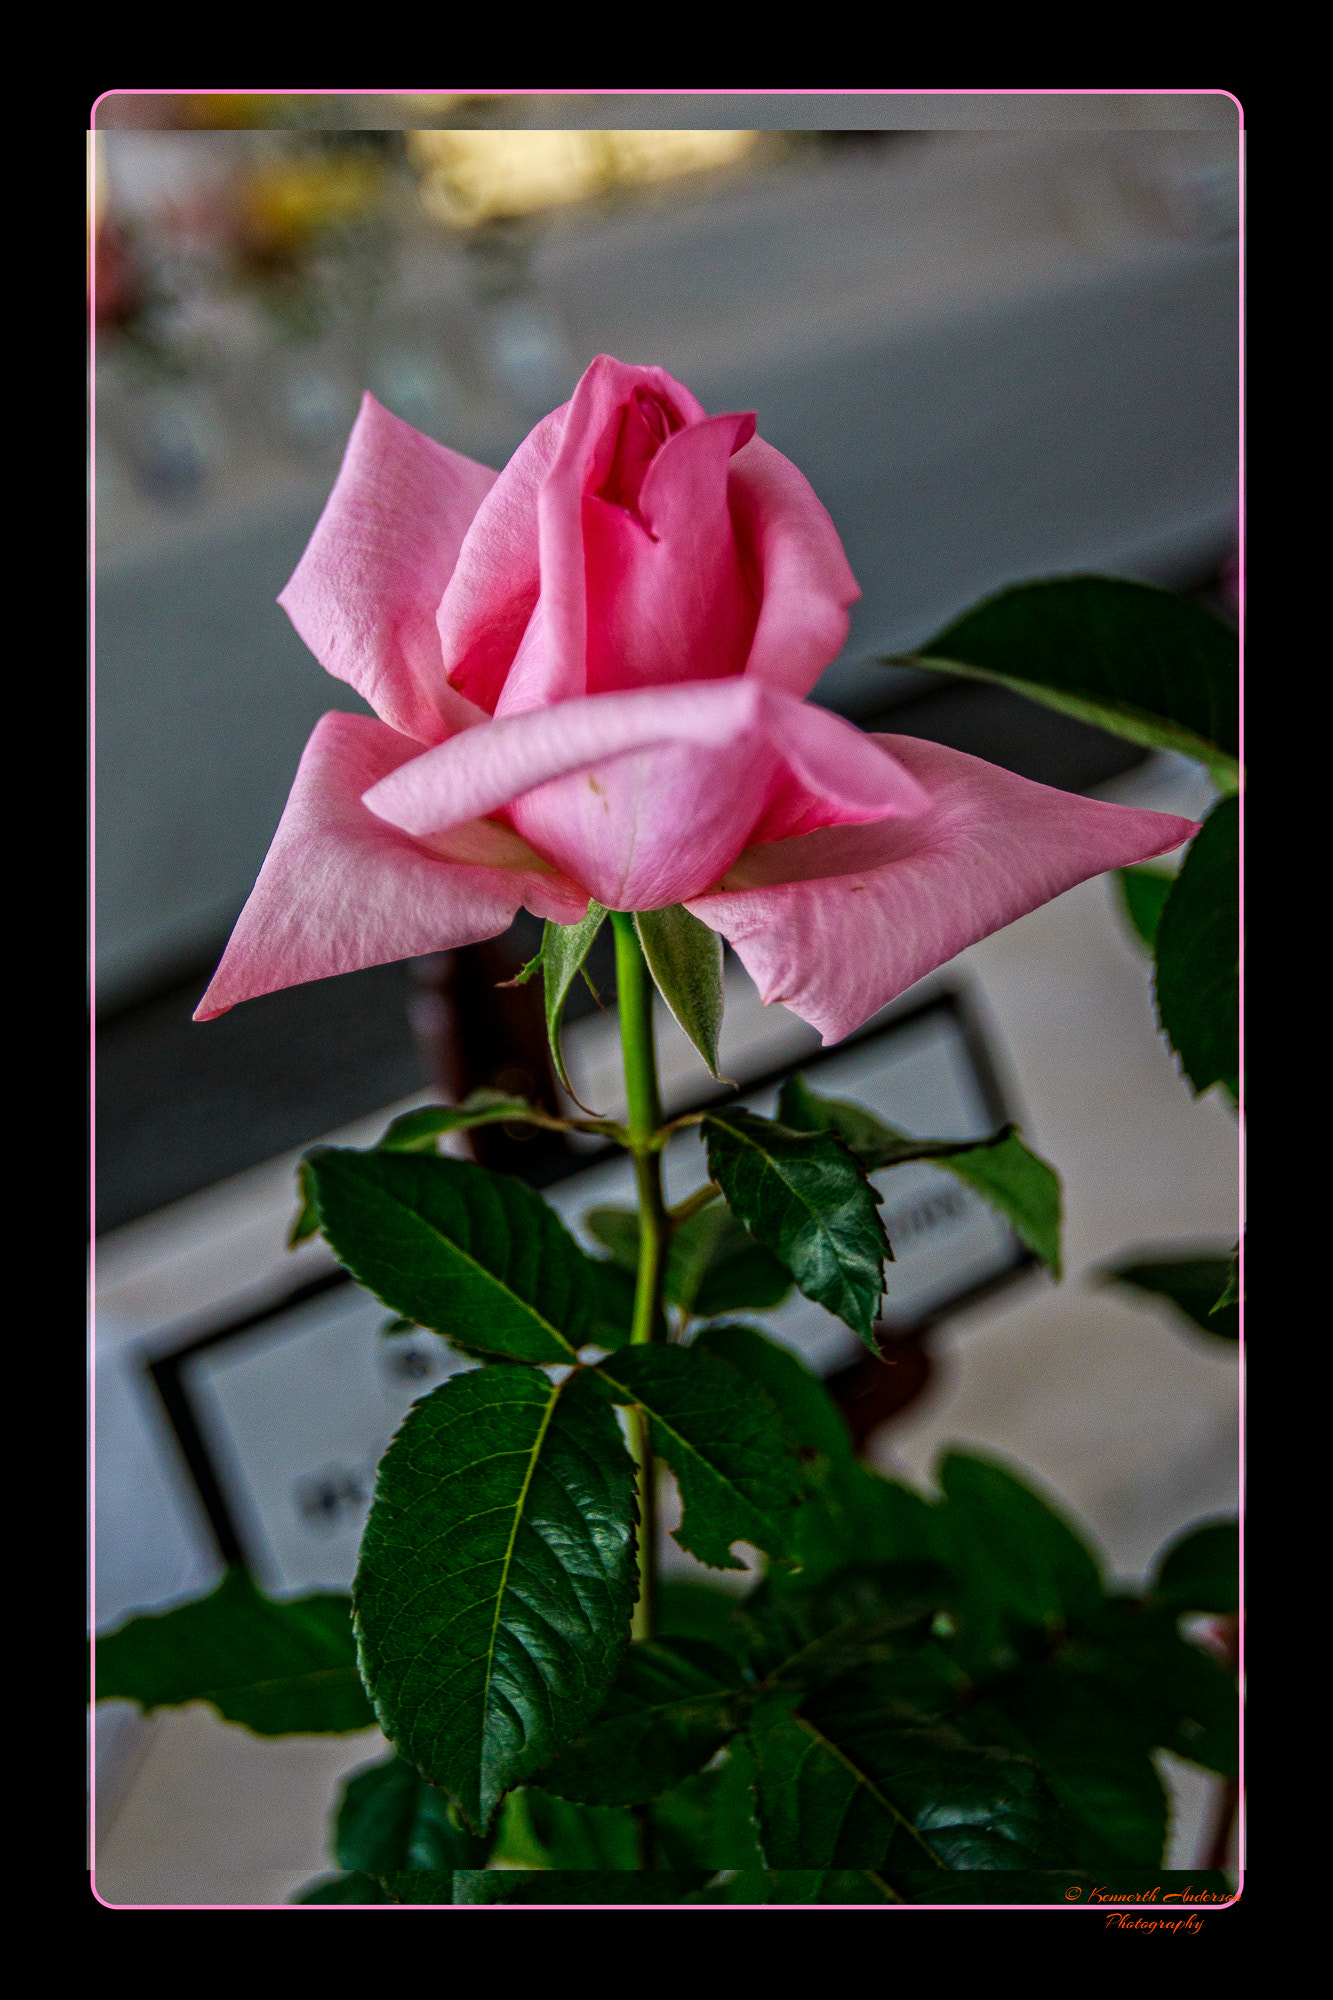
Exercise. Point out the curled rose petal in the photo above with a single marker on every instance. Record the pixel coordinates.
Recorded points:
(838, 922)
(803, 579)
(340, 889)
(647, 797)
(364, 594)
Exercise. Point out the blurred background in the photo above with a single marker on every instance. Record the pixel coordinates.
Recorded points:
(999, 335)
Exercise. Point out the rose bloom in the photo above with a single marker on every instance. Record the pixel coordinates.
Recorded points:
(589, 673)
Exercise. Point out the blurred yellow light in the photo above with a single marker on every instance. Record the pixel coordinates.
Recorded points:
(289, 200)
(470, 177)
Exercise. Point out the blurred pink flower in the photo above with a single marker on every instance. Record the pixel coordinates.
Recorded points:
(590, 674)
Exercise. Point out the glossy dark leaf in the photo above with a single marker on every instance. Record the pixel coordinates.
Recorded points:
(1143, 893)
(476, 1256)
(1021, 1186)
(1197, 981)
(1015, 1557)
(860, 1618)
(737, 1474)
(1190, 1285)
(281, 1669)
(1146, 664)
(809, 1414)
(1200, 1571)
(390, 1819)
(804, 1197)
(685, 959)
(672, 1707)
(354, 1888)
(714, 1264)
(843, 1783)
(496, 1578)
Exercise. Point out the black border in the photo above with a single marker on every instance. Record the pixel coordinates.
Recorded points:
(168, 1371)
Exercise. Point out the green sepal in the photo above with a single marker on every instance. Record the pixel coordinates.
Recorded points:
(564, 949)
(685, 959)
(737, 1474)
(1017, 1183)
(1190, 1285)
(806, 1199)
(279, 1668)
(1149, 665)
(476, 1256)
(497, 1575)
(1197, 978)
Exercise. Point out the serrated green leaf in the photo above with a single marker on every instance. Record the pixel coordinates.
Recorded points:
(418, 1131)
(672, 1707)
(1017, 1183)
(355, 1888)
(564, 949)
(390, 1819)
(496, 1579)
(1200, 1570)
(685, 959)
(559, 1886)
(843, 1783)
(805, 1198)
(1015, 1557)
(281, 1669)
(1143, 893)
(860, 1618)
(1149, 665)
(809, 1414)
(476, 1256)
(306, 1223)
(1197, 981)
(713, 1265)
(737, 1474)
(565, 1833)
(1189, 1284)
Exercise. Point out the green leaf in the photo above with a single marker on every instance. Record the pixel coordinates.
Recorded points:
(703, 1611)
(355, 1888)
(474, 1255)
(307, 1215)
(708, 1821)
(389, 1818)
(1022, 1188)
(496, 1578)
(809, 1414)
(843, 1783)
(281, 1669)
(1189, 1284)
(1015, 1557)
(430, 1886)
(714, 1264)
(1197, 980)
(685, 959)
(672, 1707)
(1143, 894)
(805, 1198)
(418, 1131)
(1200, 1570)
(1145, 664)
(811, 1885)
(564, 949)
(560, 1833)
(576, 1885)
(737, 1474)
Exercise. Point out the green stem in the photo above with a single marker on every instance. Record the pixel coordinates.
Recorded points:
(635, 987)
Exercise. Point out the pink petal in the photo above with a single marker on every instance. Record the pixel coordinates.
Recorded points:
(649, 796)
(835, 924)
(365, 593)
(805, 583)
(491, 594)
(340, 889)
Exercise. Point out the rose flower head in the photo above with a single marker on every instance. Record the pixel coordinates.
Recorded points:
(589, 672)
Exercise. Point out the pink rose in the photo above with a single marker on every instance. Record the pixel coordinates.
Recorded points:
(590, 673)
